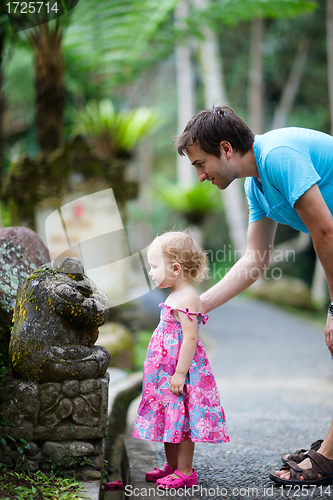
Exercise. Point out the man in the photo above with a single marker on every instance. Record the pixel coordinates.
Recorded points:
(289, 180)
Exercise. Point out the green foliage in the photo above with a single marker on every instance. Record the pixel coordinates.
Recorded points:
(110, 42)
(120, 38)
(124, 129)
(194, 201)
(24, 486)
(21, 446)
(105, 43)
(70, 4)
(232, 12)
(72, 462)
(280, 44)
(18, 91)
(140, 348)
(5, 29)
(2, 371)
(5, 215)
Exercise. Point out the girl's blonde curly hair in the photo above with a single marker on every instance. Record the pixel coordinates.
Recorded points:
(178, 246)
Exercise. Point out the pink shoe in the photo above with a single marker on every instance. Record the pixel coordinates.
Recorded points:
(158, 473)
(169, 482)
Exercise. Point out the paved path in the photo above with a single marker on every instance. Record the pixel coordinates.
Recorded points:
(275, 379)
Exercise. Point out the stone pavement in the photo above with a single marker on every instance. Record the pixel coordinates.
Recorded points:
(274, 375)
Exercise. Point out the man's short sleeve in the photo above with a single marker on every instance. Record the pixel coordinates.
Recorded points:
(256, 212)
(290, 172)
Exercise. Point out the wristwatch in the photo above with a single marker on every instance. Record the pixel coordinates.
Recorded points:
(330, 309)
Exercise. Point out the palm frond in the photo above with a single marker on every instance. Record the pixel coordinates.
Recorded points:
(120, 37)
(199, 197)
(124, 129)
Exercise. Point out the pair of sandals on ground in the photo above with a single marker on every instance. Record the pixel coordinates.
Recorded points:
(321, 466)
(165, 478)
(321, 472)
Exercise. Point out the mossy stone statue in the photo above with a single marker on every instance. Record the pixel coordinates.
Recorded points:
(57, 314)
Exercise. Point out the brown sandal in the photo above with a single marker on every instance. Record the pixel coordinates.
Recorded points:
(300, 455)
(320, 465)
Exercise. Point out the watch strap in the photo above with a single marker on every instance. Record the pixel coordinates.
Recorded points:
(330, 309)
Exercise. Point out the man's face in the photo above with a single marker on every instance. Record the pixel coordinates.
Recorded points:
(219, 171)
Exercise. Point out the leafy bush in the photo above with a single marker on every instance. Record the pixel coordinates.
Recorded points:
(24, 486)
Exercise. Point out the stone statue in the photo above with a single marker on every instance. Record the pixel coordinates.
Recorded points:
(57, 314)
(58, 398)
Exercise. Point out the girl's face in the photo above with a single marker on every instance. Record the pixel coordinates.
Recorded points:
(161, 271)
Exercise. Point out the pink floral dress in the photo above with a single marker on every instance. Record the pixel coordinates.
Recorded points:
(162, 416)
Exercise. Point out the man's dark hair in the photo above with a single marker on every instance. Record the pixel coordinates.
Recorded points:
(208, 128)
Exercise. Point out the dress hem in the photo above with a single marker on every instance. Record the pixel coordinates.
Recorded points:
(227, 440)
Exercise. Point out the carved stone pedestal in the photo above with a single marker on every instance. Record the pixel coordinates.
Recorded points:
(63, 424)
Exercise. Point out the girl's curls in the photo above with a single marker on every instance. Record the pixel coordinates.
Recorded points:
(178, 246)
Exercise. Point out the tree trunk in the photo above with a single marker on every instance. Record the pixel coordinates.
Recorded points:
(215, 94)
(291, 87)
(185, 95)
(50, 94)
(211, 64)
(256, 92)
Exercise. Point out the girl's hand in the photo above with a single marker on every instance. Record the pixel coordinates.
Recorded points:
(177, 383)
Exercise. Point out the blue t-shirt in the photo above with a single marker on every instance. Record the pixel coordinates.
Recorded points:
(289, 161)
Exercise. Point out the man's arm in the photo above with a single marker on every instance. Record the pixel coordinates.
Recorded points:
(248, 269)
(315, 214)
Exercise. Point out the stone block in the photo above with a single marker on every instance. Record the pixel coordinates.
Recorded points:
(41, 411)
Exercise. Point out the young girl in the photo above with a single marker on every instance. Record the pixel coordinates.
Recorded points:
(180, 402)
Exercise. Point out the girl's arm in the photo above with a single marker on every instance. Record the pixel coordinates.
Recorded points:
(187, 350)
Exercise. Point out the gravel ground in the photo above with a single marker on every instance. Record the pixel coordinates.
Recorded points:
(274, 375)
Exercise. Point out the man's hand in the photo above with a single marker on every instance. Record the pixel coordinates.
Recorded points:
(329, 333)
(177, 383)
